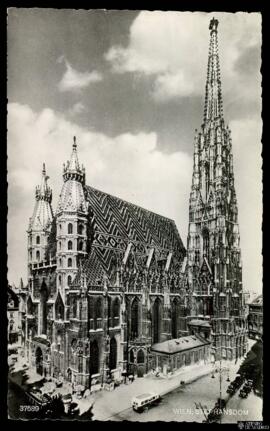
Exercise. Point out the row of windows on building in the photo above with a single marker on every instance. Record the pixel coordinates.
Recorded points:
(71, 229)
(69, 277)
(71, 245)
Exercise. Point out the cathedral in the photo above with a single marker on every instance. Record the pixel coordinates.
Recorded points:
(109, 281)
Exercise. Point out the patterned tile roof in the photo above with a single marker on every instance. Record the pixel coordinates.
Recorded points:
(117, 223)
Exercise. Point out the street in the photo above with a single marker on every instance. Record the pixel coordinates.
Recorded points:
(183, 404)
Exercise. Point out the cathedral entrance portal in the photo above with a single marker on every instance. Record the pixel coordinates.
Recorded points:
(39, 361)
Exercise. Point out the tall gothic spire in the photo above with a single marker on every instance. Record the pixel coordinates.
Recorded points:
(72, 170)
(213, 96)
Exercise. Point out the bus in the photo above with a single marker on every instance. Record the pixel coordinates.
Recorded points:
(140, 402)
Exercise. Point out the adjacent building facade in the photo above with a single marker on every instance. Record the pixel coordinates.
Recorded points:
(255, 319)
(108, 280)
(13, 316)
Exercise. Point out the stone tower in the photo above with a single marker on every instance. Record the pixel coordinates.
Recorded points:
(71, 221)
(39, 225)
(213, 246)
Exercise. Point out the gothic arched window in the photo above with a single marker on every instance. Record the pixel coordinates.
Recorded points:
(94, 357)
(131, 356)
(99, 308)
(38, 255)
(116, 308)
(69, 262)
(113, 354)
(59, 245)
(140, 357)
(74, 308)
(38, 239)
(80, 229)
(115, 312)
(60, 263)
(80, 246)
(174, 320)
(70, 245)
(156, 320)
(69, 280)
(205, 235)
(70, 228)
(134, 319)
(60, 280)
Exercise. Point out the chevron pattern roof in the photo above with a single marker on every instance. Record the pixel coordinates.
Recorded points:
(117, 223)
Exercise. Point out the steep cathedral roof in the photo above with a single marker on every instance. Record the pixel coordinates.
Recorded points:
(116, 224)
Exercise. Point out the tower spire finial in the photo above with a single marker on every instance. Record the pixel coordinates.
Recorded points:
(73, 170)
(213, 96)
(43, 169)
(213, 24)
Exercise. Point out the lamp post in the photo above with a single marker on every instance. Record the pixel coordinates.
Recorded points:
(220, 379)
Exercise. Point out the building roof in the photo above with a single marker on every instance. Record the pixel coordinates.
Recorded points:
(13, 299)
(179, 345)
(116, 224)
(199, 322)
(43, 214)
(257, 301)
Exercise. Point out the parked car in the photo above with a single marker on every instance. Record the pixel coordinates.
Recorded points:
(74, 409)
(231, 390)
(36, 390)
(243, 393)
(249, 383)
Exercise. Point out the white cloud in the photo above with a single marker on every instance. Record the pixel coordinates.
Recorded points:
(73, 80)
(173, 47)
(171, 85)
(129, 166)
(77, 108)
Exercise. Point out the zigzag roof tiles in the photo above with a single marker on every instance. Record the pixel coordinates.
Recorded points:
(117, 223)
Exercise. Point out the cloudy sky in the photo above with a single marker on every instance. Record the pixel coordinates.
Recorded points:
(130, 86)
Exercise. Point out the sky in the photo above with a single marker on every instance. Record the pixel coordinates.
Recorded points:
(130, 86)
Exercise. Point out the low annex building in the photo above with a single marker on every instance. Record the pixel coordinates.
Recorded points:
(171, 355)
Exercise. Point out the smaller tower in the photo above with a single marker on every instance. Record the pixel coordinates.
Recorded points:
(71, 220)
(40, 223)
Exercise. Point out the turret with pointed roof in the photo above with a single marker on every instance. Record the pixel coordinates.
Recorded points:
(71, 220)
(213, 247)
(41, 221)
(43, 213)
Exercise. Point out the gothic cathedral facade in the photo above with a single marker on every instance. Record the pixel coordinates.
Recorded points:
(107, 279)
